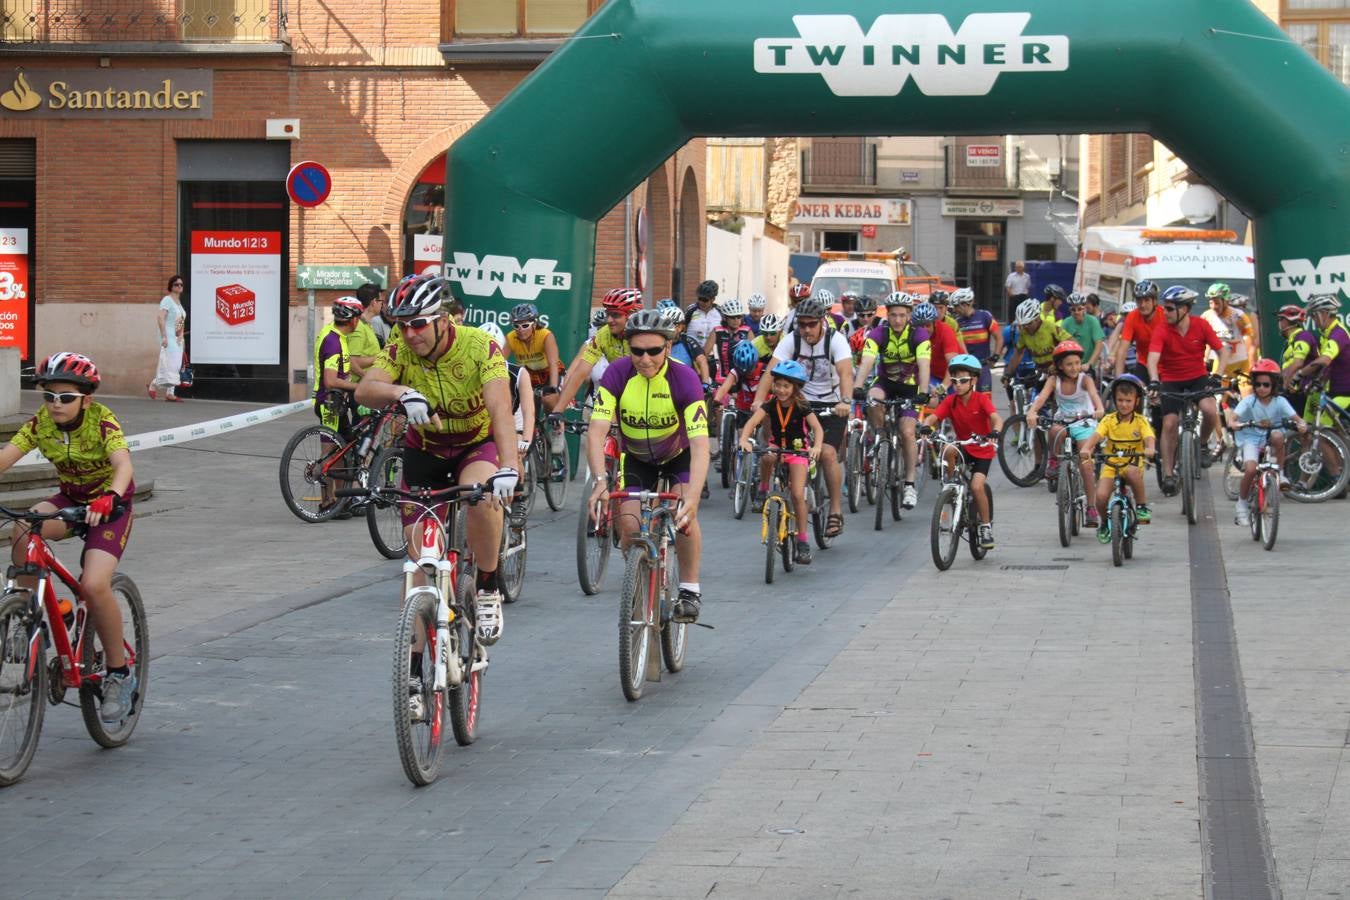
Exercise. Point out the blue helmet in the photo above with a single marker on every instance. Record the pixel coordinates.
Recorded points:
(744, 357)
(965, 361)
(1145, 289)
(924, 314)
(666, 303)
(1179, 295)
(791, 370)
(1133, 381)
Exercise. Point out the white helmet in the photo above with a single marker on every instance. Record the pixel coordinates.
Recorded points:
(672, 316)
(824, 297)
(771, 324)
(730, 306)
(899, 298)
(962, 295)
(756, 301)
(1128, 307)
(1028, 311)
(494, 331)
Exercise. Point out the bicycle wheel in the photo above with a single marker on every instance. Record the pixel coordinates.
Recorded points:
(1117, 535)
(727, 441)
(1080, 502)
(1232, 473)
(554, 474)
(634, 645)
(136, 645)
(1270, 510)
(921, 467)
(973, 532)
(593, 544)
(511, 561)
(869, 466)
(465, 700)
(1064, 503)
(674, 635)
(1187, 470)
(820, 516)
(23, 700)
(529, 475)
(885, 483)
(897, 472)
(419, 743)
(1316, 466)
(383, 518)
(302, 475)
(1019, 448)
(772, 510)
(787, 541)
(740, 488)
(945, 531)
(853, 486)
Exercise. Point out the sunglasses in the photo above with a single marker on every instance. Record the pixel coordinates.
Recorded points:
(1168, 308)
(639, 352)
(963, 379)
(527, 324)
(616, 315)
(807, 323)
(1264, 384)
(53, 397)
(416, 324)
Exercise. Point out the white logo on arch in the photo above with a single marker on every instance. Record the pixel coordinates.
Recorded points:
(943, 63)
(1330, 275)
(515, 281)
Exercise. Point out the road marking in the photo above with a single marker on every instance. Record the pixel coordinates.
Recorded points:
(1233, 835)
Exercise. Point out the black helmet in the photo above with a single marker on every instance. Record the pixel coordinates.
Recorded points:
(524, 312)
(1055, 291)
(811, 308)
(707, 290)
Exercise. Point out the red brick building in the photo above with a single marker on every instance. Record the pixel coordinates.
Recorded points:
(138, 138)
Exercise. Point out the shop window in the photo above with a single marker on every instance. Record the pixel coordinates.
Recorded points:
(510, 18)
(1322, 27)
(1040, 253)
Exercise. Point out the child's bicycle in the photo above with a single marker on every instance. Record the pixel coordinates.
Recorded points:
(778, 520)
(48, 646)
(1121, 515)
(954, 515)
(1263, 498)
(650, 585)
(1071, 500)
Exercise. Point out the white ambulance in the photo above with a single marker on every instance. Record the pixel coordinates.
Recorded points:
(1114, 259)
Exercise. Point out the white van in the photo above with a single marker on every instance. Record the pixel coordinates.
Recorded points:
(1114, 259)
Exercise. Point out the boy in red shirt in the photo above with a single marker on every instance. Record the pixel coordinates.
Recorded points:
(973, 416)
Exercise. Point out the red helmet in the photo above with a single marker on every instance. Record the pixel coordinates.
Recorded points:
(70, 367)
(623, 300)
(347, 308)
(1291, 312)
(800, 291)
(1267, 366)
(1067, 348)
(857, 339)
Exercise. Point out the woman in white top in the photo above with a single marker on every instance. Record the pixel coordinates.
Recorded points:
(171, 326)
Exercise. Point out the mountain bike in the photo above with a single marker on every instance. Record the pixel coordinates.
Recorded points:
(1071, 501)
(550, 467)
(49, 646)
(954, 515)
(856, 460)
(744, 479)
(888, 462)
(818, 492)
(1189, 447)
(437, 627)
(1317, 462)
(317, 459)
(778, 519)
(732, 421)
(650, 585)
(596, 533)
(384, 519)
(1121, 513)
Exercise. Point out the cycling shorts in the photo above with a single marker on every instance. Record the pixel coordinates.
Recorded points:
(978, 465)
(894, 390)
(337, 415)
(110, 537)
(1114, 465)
(422, 470)
(834, 426)
(1171, 406)
(640, 474)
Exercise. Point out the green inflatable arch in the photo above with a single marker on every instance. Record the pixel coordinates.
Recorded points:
(1215, 80)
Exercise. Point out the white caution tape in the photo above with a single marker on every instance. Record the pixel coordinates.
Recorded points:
(181, 435)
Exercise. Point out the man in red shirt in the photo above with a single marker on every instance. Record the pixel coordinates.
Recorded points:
(1176, 364)
(943, 341)
(1138, 329)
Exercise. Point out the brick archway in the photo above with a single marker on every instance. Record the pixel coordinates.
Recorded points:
(660, 251)
(405, 176)
(692, 234)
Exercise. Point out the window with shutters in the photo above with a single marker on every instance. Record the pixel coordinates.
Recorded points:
(1322, 27)
(516, 18)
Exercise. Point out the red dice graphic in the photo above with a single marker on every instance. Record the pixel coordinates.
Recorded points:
(236, 304)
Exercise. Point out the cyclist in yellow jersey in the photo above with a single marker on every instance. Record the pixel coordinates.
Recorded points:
(363, 344)
(1036, 335)
(536, 349)
(663, 434)
(1234, 328)
(452, 384)
(1124, 430)
(608, 343)
(84, 441)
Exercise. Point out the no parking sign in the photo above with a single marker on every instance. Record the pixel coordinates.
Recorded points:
(308, 183)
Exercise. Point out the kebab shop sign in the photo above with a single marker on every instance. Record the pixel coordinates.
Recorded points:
(851, 211)
(236, 297)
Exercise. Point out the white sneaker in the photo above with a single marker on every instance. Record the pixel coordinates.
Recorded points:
(417, 707)
(1243, 515)
(487, 615)
(909, 497)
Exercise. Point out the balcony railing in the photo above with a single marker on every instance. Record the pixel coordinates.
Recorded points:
(40, 22)
(839, 163)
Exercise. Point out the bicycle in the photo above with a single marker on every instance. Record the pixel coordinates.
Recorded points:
(888, 463)
(732, 420)
(1263, 497)
(1022, 450)
(1071, 501)
(317, 457)
(1121, 512)
(48, 647)
(743, 482)
(1317, 462)
(551, 468)
(650, 583)
(818, 493)
(596, 533)
(857, 463)
(954, 515)
(1188, 465)
(441, 616)
(778, 519)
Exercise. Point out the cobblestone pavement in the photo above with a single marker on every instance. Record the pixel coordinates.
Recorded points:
(867, 727)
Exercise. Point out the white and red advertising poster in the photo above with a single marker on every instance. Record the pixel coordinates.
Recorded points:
(236, 297)
(14, 289)
(427, 255)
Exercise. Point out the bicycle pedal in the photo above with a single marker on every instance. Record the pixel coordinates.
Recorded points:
(705, 625)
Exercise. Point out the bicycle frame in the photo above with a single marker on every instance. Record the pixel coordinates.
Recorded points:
(363, 435)
(40, 562)
(780, 490)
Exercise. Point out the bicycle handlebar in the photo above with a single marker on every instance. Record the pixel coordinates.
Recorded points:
(469, 493)
(643, 496)
(71, 514)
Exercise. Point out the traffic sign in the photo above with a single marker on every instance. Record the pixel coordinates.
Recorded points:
(308, 183)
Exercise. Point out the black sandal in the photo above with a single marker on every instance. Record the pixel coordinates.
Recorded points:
(834, 525)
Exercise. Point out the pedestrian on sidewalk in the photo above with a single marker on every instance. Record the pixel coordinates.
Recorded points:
(172, 327)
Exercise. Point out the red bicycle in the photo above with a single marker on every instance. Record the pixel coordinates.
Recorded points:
(596, 533)
(47, 648)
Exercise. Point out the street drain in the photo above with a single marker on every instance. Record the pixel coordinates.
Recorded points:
(1043, 568)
